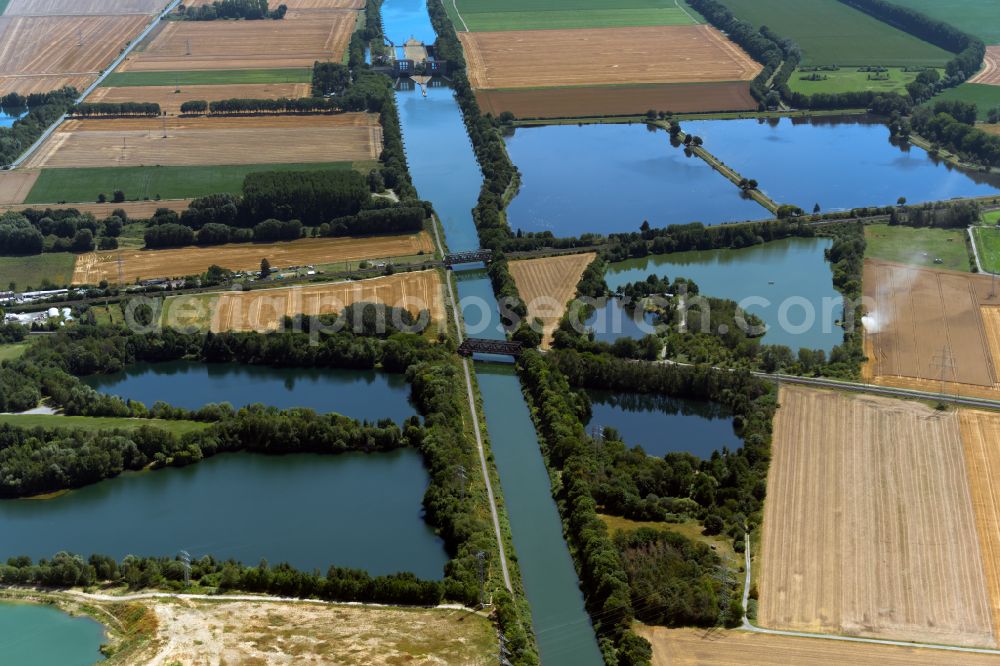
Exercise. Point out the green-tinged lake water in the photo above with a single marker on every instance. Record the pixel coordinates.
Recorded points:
(312, 511)
(37, 635)
(788, 283)
(360, 394)
(662, 425)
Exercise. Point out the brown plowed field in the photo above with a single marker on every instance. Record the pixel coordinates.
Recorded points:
(15, 185)
(136, 210)
(868, 526)
(170, 100)
(93, 267)
(225, 140)
(990, 74)
(83, 7)
(62, 50)
(264, 310)
(981, 438)
(924, 319)
(551, 58)
(618, 100)
(700, 647)
(246, 44)
(547, 285)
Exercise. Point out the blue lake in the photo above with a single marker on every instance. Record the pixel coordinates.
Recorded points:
(835, 162)
(39, 635)
(7, 119)
(785, 281)
(359, 394)
(610, 178)
(662, 425)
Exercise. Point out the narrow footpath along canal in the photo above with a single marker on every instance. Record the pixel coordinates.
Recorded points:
(445, 171)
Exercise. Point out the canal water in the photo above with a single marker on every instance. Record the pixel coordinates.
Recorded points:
(783, 282)
(662, 425)
(611, 178)
(838, 163)
(445, 172)
(360, 394)
(312, 511)
(7, 118)
(39, 635)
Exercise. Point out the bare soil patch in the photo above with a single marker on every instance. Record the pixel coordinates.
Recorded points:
(170, 98)
(82, 7)
(981, 438)
(869, 528)
(15, 185)
(206, 45)
(93, 267)
(990, 73)
(264, 310)
(127, 142)
(547, 285)
(135, 209)
(926, 324)
(659, 54)
(199, 633)
(618, 100)
(695, 647)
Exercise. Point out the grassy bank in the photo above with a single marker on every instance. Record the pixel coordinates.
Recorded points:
(93, 423)
(850, 80)
(920, 247)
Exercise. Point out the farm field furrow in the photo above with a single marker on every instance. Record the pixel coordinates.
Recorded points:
(868, 526)
(15, 185)
(832, 33)
(567, 19)
(550, 58)
(171, 97)
(82, 7)
(697, 647)
(981, 439)
(546, 285)
(207, 45)
(990, 73)
(93, 267)
(265, 309)
(202, 141)
(926, 324)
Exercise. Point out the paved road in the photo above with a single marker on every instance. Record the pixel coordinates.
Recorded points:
(883, 390)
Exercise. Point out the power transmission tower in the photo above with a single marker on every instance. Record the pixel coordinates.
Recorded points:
(461, 476)
(481, 558)
(121, 270)
(185, 558)
(189, 47)
(79, 37)
(504, 656)
(945, 362)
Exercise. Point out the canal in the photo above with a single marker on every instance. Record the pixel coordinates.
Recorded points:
(445, 171)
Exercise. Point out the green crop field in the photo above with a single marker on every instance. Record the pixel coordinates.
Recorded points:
(991, 217)
(208, 78)
(92, 423)
(56, 267)
(988, 244)
(976, 17)
(921, 247)
(167, 182)
(850, 80)
(486, 15)
(831, 33)
(983, 96)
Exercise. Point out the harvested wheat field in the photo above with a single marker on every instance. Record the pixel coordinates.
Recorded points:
(170, 98)
(64, 45)
(593, 57)
(718, 647)
(93, 267)
(868, 526)
(299, 5)
(926, 324)
(136, 210)
(547, 285)
(990, 73)
(83, 7)
(15, 185)
(199, 632)
(126, 142)
(265, 309)
(981, 438)
(618, 101)
(207, 45)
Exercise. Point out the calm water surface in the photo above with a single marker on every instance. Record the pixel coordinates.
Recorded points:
(37, 635)
(787, 280)
(662, 425)
(7, 118)
(312, 511)
(837, 163)
(610, 178)
(360, 394)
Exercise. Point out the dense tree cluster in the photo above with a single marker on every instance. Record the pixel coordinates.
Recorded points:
(232, 9)
(43, 110)
(330, 78)
(115, 109)
(252, 106)
(314, 197)
(33, 231)
(956, 135)
(942, 215)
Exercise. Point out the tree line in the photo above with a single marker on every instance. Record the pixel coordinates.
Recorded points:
(250, 10)
(43, 110)
(115, 109)
(940, 126)
(34, 231)
(247, 106)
